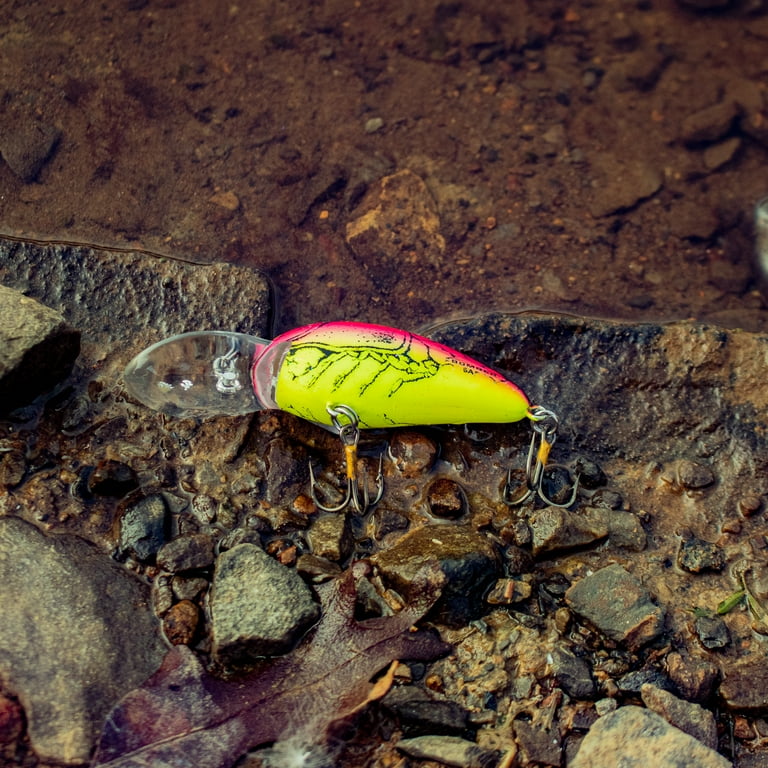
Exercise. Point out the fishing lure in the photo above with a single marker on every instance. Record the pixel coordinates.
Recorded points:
(345, 376)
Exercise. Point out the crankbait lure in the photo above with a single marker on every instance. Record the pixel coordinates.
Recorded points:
(342, 375)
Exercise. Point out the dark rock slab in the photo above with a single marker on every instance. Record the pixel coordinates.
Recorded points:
(132, 298)
(641, 391)
(685, 715)
(37, 348)
(76, 633)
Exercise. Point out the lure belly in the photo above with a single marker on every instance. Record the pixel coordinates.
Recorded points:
(389, 377)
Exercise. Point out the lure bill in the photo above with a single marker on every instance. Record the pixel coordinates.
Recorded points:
(388, 377)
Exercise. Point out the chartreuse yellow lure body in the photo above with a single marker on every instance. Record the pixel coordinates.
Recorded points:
(388, 377)
(342, 375)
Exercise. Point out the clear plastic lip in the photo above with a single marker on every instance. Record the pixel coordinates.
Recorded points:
(197, 374)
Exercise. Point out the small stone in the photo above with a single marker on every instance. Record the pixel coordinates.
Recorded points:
(750, 504)
(745, 686)
(330, 537)
(420, 713)
(186, 553)
(625, 530)
(539, 745)
(412, 452)
(451, 751)
(227, 200)
(695, 679)
(617, 604)
(374, 124)
(555, 528)
(718, 155)
(143, 527)
(689, 718)
(696, 555)
(258, 606)
(188, 587)
(709, 124)
(607, 499)
(468, 559)
(27, 145)
(693, 476)
(203, 509)
(572, 674)
(589, 473)
(630, 735)
(386, 521)
(446, 498)
(180, 623)
(713, 632)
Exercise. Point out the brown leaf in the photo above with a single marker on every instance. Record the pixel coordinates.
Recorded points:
(183, 716)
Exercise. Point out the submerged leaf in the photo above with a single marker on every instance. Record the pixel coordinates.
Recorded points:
(183, 716)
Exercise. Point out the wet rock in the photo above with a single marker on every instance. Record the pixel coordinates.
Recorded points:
(396, 223)
(572, 674)
(144, 527)
(13, 466)
(713, 632)
(618, 605)
(446, 498)
(386, 521)
(538, 744)
(696, 555)
(745, 686)
(709, 124)
(258, 606)
(180, 623)
(77, 634)
(413, 453)
(287, 471)
(449, 750)
(634, 680)
(330, 537)
(203, 508)
(630, 735)
(421, 713)
(694, 678)
(468, 560)
(112, 478)
(619, 185)
(706, 5)
(188, 587)
(589, 473)
(625, 530)
(689, 718)
(718, 155)
(691, 476)
(556, 529)
(37, 348)
(186, 553)
(606, 498)
(27, 144)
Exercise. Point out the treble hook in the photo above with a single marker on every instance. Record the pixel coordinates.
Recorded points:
(545, 424)
(346, 422)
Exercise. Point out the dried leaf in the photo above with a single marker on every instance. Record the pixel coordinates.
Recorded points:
(183, 716)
